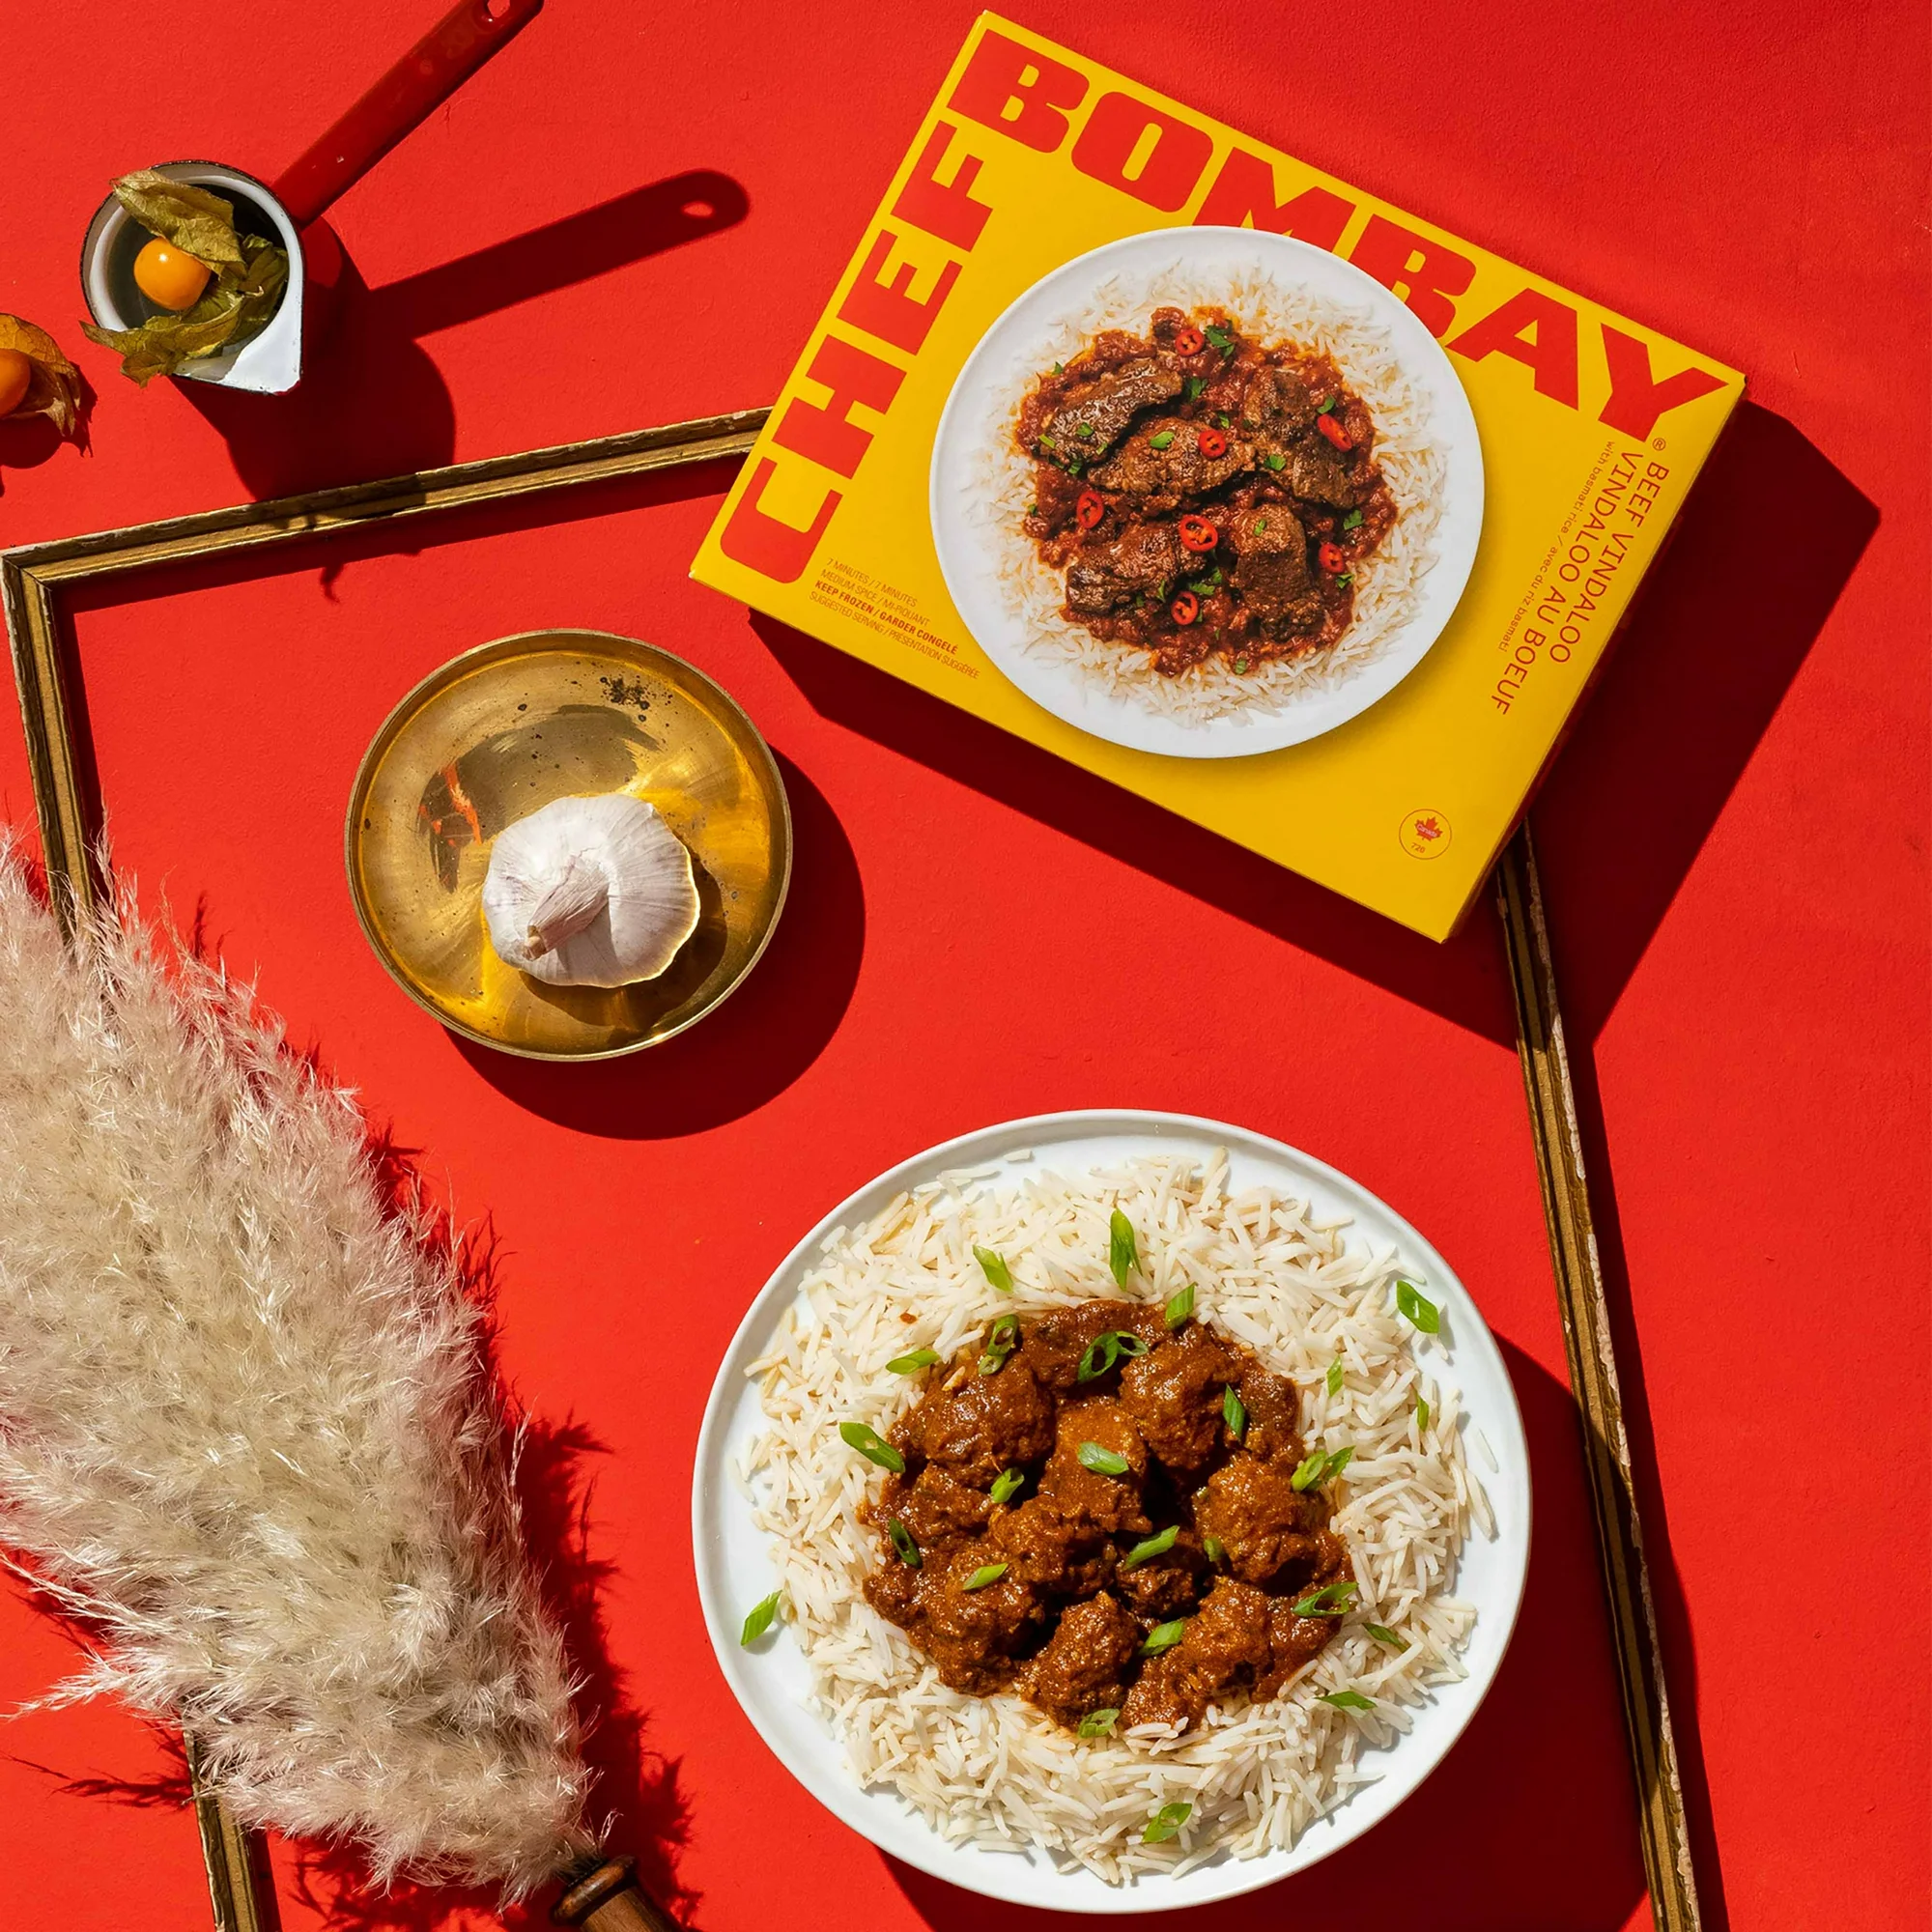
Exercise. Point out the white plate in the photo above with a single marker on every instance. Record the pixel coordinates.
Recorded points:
(734, 1567)
(966, 549)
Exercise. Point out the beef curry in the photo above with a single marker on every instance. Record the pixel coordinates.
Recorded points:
(1204, 494)
(1114, 1517)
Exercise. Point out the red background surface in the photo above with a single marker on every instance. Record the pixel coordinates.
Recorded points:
(1733, 843)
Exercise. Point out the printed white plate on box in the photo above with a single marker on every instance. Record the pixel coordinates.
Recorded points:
(1003, 593)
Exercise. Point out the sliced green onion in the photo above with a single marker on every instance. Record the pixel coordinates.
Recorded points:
(871, 1444)
(759, 1621)
(1084, 431)
(1347, 1700)
(1338, 1460)
(1179, 1306)
(1240, 665)
(1097, 1724)
(1006, 1483)
(1105, 1350)
(1347, 577)
(1073, 465)
(1417, 1308)
(1058, 370)
(1222, 420)
(1421, 1415)
(1002, 1339)
(1214, 1548)
(988, 1573)
(1195, 385)
(1149, 1548)
(910, 1365)
(1334, 1376)
(903, 1542)
(1330, 1600)
(993, 1265)
(1308, 1471)
(1032, 509)
(1160, 441)
(1327, 405)
(1352, 521)
(1275, 461)
(1103, 1462)
(1383, 1635)
(1233, 1414)
(1166, 1823)
(1047, 443)
(1163, 1636)
(1123, 1254)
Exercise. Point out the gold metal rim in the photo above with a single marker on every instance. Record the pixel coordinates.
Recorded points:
(448, 672)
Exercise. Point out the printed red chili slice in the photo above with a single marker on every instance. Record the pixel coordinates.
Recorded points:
(1334, 432)
(1089, 510)
(1188, 342)
(1186, 607)
(1332, 558)
(1198, 534)
(1212, 442)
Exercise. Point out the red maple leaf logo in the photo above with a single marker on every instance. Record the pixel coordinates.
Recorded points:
(1428, 828)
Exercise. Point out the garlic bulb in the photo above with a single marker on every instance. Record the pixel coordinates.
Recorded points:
(589, 892)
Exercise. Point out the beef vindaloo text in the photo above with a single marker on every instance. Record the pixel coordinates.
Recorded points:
(1113, 1516)
(1204, 494)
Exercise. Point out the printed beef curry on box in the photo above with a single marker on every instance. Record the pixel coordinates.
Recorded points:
(1222, 479)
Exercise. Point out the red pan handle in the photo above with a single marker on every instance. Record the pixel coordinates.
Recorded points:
(470, 34)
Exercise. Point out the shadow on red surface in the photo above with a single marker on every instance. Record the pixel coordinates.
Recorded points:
(404, 418)
(1703, 660)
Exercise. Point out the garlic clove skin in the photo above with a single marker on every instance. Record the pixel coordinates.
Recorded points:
(590, 892)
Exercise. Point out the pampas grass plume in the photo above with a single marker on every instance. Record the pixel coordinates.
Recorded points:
(248, 1430)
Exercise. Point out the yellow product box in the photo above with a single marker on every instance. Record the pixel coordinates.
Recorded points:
(1591, 427)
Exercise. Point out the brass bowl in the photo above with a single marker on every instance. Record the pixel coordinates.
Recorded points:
(502, 730)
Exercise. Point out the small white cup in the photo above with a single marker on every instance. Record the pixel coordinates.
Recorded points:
(270, 360)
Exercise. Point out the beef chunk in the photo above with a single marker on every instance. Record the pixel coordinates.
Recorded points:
(974, 1636)
(1065, 1555)
(935, 1508)
(1294, 1640)
(1262, 1522)
(1165, 1586)
(1053, 1349)
(1274, 1412)
(1272, 569)
(1317, 471)
(1225, 1648)
(1081, 1670)
(1104, 407)
(1103, 577)
(1276, 410)
(1174, 1395)
(1166, 476)
(1108, 1503)
(988, 1424)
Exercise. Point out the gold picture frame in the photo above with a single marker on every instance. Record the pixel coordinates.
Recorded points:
(31, 580)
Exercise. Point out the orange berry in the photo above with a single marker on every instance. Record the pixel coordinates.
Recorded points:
(168, 276)
(17, 376)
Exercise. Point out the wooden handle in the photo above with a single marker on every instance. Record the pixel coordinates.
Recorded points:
(470, 33)
(608, 1900)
